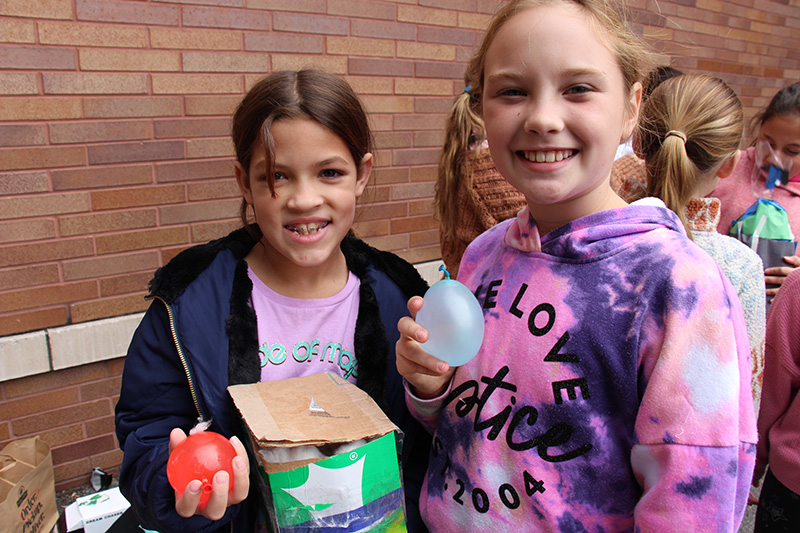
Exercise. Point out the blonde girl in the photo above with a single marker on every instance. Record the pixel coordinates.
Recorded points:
(612, 389)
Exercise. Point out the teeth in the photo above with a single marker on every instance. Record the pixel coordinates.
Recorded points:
(307, 229)
(548, 157)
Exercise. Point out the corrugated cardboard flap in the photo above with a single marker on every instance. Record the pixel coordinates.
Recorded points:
(278, 413)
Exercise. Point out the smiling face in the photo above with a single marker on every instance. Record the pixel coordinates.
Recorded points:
(782, 132)
(556, 107)
(317, 183)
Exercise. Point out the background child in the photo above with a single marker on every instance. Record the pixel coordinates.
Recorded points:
(612, 389)
(231, 311)
(689, 135)
(779, 126)
(779, 418)
(471, 196)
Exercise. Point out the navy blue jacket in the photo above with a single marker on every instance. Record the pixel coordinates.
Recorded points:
(199, 336)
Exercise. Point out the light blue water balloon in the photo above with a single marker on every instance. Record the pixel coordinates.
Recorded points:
(454, 320)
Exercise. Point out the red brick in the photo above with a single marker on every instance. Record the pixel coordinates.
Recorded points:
(417, 156)
(419, 122)
(423, 174)
(109, 461)
(440, 69)
(199, 212)
(211, 105)
(22, 322)
(217, 17)
(209, 231)
(97, 390)
(141, 240)
(138, 197)
(207, 148)
(23, 183)
(455, 5)
(411, 224)
(384, 30)
(420, 207)
(128, 12)
(58, 417)
(22, 135)
(46, 296)
(130, 60)
(424, 15)
(433, 105)
(41, 157)
(380, 67)
(84, 448)
(389, 175)
(93, 83)
(101, 426)
(125, 284)
(38, 403)
(97, 223)
(196, 84)
(429, 138)
(5, 432)
(192, 127)
(80, 34)
(71, 475)
(390, 243)
(382, 211)
(43, 205)
(194, 170)
(28, 276)
(53, 380)
(137, 151)
(385, 141)
(18, 83)
(107, 308)
(36, 58)
(90, 131)
(432, 34)
(96, 267)
(314, 24)
(63, 435)
(362, 9)
(17, 31)
(39, 108)
(24, 254)
(90, 178)
(185, 39)
(213, 190)
(26, 230)
(132, 107)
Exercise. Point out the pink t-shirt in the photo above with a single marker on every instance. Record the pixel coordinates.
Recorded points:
(300, 337)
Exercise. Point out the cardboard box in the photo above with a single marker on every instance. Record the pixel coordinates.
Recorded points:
(327, 455)
(100, 510)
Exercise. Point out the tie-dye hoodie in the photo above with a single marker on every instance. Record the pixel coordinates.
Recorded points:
(612, 390)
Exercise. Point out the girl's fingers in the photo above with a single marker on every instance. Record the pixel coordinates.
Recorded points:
(218, 501)
(241, 473)
(176, 436)
(186, 505)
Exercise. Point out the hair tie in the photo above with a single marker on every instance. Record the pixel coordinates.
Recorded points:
(468, 88)
(675, 133)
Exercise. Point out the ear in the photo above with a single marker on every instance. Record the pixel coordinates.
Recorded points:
(728, 165)
(364, 171)
(243, 181)
(633, 103)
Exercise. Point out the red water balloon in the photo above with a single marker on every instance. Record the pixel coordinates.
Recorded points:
(200, 456)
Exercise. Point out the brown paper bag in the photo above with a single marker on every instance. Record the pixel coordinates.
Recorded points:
(27, 487)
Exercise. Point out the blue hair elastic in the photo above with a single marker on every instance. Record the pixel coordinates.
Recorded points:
(468, 88)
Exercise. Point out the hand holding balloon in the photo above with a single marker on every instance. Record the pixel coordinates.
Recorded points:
(454, 320)
(208, 473)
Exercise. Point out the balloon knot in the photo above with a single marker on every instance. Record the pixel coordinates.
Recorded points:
(446, 273)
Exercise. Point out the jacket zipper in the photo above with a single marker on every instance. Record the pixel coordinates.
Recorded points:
(182, 357)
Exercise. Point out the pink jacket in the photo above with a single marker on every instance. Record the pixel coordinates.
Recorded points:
(779, 418)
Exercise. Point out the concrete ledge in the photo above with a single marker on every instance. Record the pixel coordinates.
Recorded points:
(58, 348)
(80, 344)
(23, 355)
(90, 342)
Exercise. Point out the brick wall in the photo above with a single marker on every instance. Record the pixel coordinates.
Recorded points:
(115, 155)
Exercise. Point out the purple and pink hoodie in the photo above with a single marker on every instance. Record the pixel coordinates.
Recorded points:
(612, 389)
